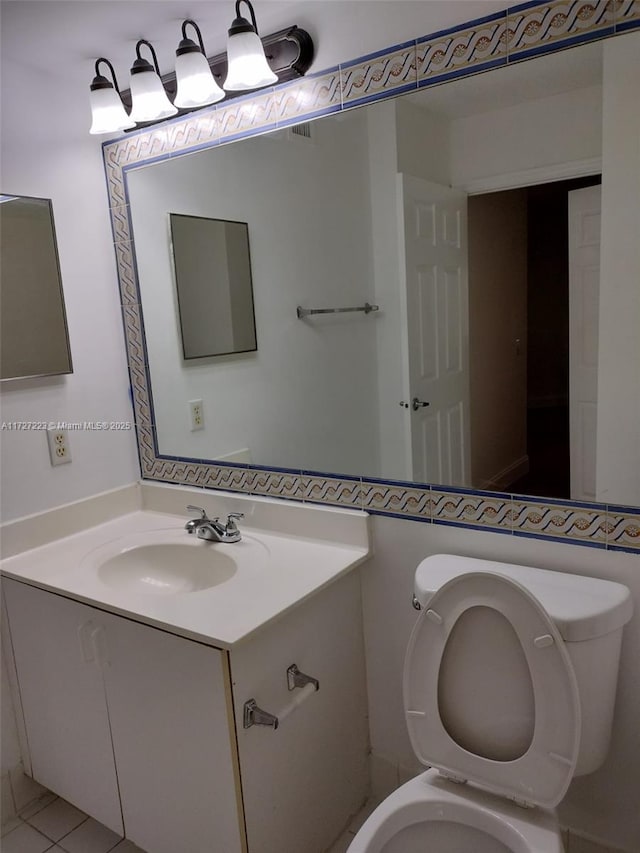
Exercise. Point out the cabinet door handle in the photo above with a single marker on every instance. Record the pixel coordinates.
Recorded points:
(86, 645)
(99, 641)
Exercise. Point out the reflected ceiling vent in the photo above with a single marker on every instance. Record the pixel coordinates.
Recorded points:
(301, 131)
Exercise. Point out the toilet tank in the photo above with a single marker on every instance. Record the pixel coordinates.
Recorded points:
(589, 613)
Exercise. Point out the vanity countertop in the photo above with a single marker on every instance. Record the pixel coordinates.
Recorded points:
(288, 569)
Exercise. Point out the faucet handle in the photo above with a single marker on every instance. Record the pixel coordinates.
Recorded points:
(194, 523)
(231, 526)
(199, 509)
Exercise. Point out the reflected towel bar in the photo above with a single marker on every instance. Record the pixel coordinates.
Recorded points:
(307, 312)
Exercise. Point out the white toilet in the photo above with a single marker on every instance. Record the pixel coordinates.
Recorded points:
(509, 686)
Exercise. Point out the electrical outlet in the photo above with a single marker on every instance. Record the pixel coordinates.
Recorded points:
(196, 415)
(59, 451)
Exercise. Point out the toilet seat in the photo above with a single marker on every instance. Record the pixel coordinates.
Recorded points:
(428, 798)
(542, 774)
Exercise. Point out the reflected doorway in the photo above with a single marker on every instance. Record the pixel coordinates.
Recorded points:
(520, 340)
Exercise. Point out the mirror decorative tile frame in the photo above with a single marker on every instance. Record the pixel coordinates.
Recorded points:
(518, 33)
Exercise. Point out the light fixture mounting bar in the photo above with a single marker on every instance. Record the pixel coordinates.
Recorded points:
(289, 52)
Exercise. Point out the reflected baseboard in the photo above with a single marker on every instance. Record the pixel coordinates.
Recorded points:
(501, 481)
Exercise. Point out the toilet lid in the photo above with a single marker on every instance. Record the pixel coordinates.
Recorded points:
(541, 775)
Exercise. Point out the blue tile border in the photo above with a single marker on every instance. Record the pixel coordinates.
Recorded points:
(623, 548)
(325, 111)
(378, 54)
(612, 527)
(543, 49)
(468, 25)
(379, 96)
(562, 539)
(627, 26)
(500, 62)
(478, 527)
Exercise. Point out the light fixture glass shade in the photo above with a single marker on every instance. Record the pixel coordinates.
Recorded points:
(196, 84)
(107, 112)
(148, 97)
(248, 67)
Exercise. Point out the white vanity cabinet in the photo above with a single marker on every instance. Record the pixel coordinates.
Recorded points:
(63, 700)
(303, 782)
(129, 723)
(144, 730)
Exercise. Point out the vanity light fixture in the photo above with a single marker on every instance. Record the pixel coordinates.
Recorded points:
(248, 67)
(107, 111)
(196, 84)
(148, 97)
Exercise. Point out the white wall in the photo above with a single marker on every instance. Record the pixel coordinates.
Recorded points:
(498, 318)
(391, 367)
(618, 440)
(424, 142)
(39, 158)
(545, 132)
(306, 203)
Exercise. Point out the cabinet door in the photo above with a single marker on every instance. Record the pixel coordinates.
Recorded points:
(173, 739)
(63, 699)
(302, 783)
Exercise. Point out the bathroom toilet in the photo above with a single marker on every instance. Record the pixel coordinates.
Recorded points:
(509, 687)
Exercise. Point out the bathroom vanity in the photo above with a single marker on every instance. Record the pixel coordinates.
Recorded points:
(133, 688)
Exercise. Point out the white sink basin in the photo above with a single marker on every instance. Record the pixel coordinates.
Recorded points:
(170, 562)
(167, 569)
(145, 566)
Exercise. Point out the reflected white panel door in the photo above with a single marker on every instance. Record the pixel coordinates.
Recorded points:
(584, 288)
(437, 300)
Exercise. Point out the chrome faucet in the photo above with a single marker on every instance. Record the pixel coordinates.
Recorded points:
(212, 529)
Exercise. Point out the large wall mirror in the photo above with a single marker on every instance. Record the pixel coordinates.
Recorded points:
(469, 213)
(33, 336)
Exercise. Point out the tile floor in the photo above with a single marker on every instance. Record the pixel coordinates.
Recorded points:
(53, 825)
(342, 844)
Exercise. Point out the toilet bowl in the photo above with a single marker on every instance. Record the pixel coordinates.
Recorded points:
(430, 814)
(509, 687)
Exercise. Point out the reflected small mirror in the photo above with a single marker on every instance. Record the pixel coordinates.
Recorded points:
(212, 270)
(33, 332)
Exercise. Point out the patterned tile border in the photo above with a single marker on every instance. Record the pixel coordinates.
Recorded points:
(244, 117)
(315, 95)
(275, 484)
(379, 75)
(125, 259)
(468, 508)
(405, 500)
(333, 490)
(576, 523)
(623, 528)
(535, 28)
(626, 15)
(462, 51)
(520, 32)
